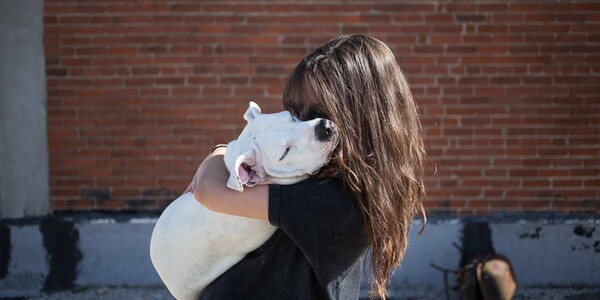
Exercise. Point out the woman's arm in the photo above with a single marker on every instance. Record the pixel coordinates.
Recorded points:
(210, 189)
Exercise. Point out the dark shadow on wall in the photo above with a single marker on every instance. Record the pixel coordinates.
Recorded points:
(60, 240)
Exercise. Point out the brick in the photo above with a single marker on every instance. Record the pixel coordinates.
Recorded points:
(508, 18)
(524, 7)
(536, 204)
(405, 7)
(470, 18)
(586, 7)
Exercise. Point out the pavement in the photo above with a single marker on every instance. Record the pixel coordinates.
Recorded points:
(156, 293)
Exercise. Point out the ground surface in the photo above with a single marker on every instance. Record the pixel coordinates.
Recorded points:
(118, 293)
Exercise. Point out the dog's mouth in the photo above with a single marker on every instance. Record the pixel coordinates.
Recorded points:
(247, 175)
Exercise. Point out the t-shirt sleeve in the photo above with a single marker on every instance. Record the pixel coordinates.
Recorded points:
(312, 206)
(323, 221)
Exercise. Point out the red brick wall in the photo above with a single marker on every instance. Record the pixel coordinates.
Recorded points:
(139, 91)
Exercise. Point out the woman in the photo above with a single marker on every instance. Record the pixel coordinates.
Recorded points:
(364, 199)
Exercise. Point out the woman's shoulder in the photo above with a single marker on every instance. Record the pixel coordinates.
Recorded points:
(314, 206)
(329, 188)
(313, 198)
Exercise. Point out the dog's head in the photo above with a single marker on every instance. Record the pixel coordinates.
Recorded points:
(278, 148)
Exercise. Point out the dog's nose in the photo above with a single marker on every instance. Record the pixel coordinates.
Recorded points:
(324, 130)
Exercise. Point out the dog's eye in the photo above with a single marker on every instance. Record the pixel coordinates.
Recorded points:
(315, 114)
(287, 150)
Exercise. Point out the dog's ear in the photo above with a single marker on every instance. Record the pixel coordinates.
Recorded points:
(252, 111)
(239, 175)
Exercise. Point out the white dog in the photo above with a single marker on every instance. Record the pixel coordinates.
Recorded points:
(191, 245)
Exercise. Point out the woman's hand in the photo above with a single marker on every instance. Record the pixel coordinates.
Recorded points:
(209, 187)
(200, 173)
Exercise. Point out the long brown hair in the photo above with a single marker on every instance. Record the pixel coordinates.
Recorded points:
(355, 81)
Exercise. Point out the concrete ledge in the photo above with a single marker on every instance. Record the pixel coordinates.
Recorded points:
(113, 251)
(543, 252)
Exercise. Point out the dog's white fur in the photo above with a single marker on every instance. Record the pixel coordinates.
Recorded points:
(191, 245)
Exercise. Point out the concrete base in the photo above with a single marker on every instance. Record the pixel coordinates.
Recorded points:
(543, 253)
(115, 253)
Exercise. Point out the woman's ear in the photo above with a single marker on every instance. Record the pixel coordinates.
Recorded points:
(252, 112)
(241, 172)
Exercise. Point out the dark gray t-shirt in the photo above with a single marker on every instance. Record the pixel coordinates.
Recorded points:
(316, 252)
